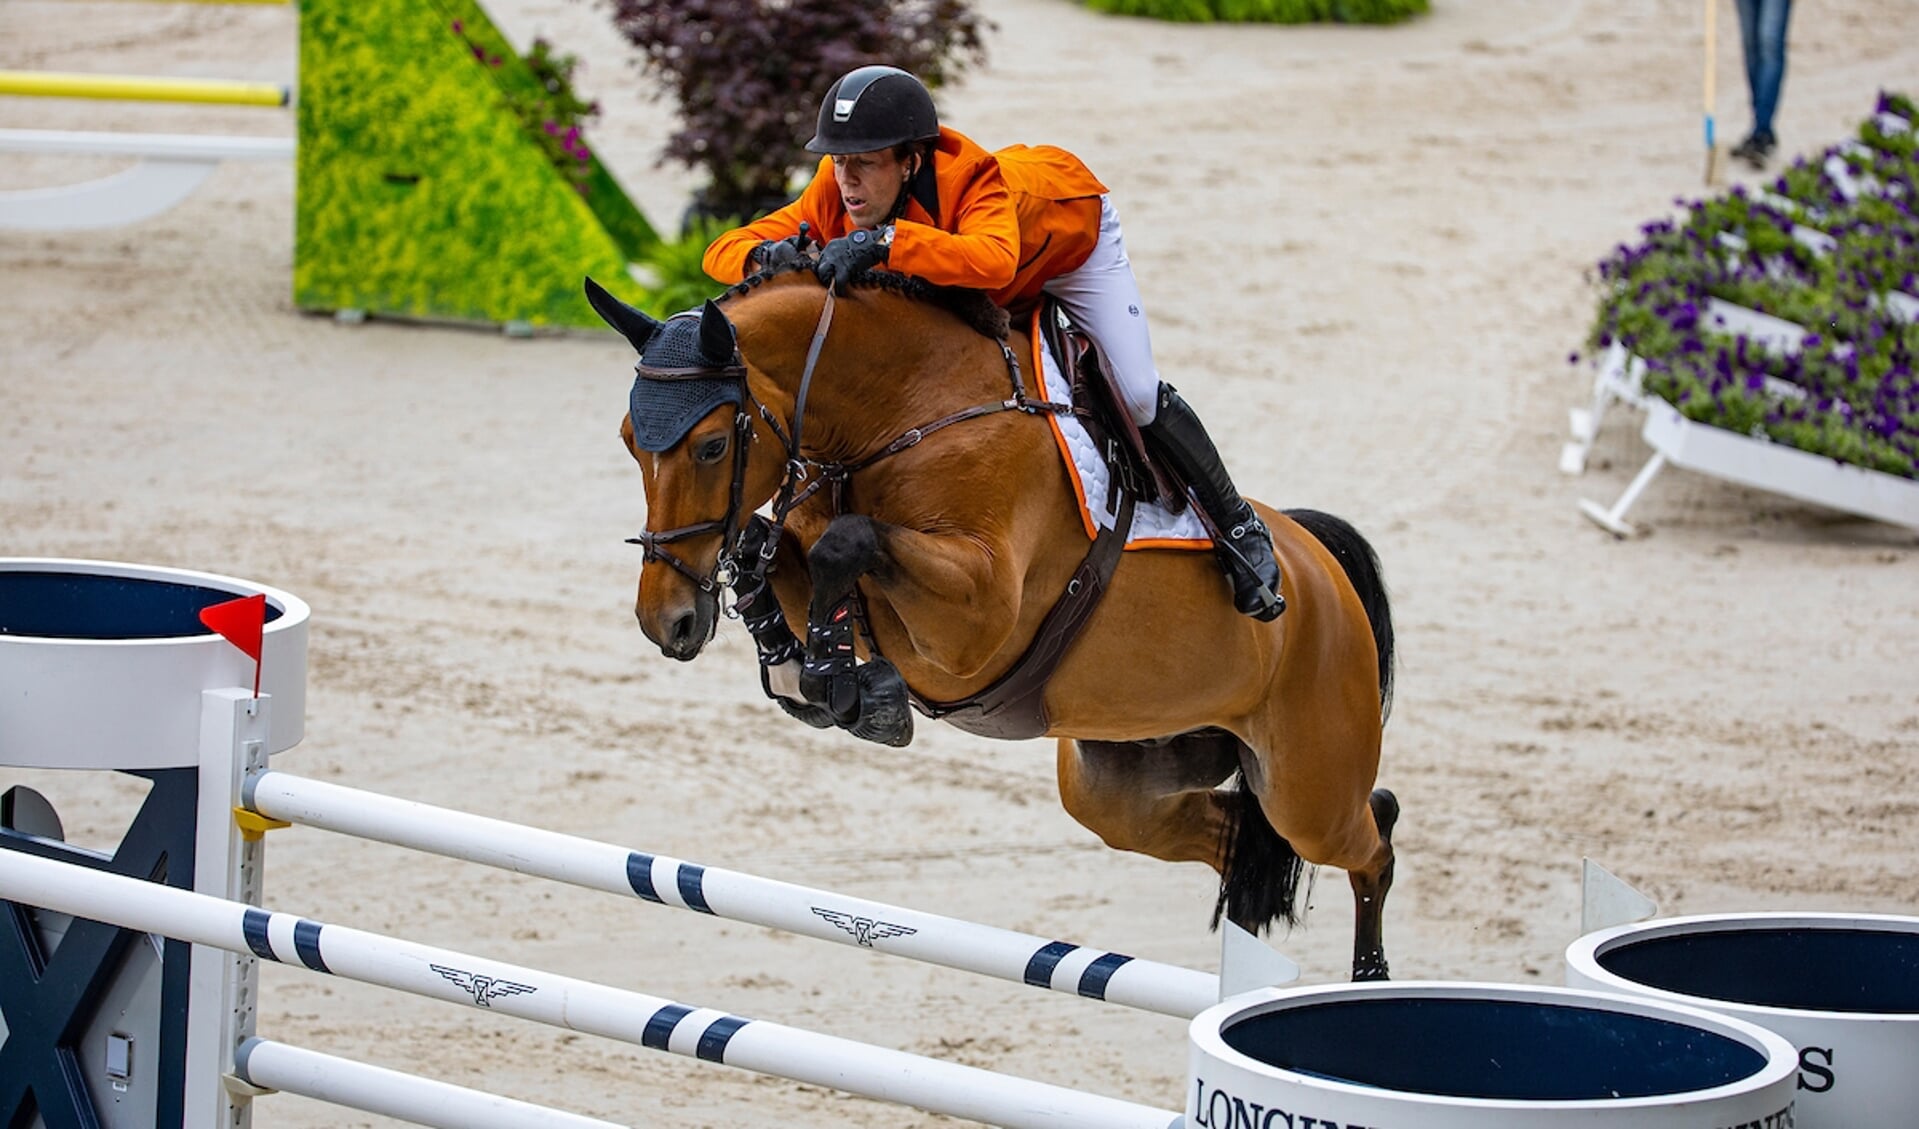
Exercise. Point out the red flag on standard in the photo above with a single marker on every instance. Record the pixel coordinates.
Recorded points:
(241, 622)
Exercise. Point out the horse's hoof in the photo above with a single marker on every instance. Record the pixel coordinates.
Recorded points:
(815, 716)
(885, 716)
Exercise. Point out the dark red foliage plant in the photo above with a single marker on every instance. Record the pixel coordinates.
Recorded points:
(748, 76)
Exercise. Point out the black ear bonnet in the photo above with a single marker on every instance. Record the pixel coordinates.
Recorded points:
(689, 364)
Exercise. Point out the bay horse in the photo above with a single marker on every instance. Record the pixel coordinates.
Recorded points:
(1186, 731)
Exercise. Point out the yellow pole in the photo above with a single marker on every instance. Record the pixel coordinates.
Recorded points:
(1712, 89)
(130, 88)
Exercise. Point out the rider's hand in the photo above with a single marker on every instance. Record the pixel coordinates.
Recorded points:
(850, 254)
(776, 253)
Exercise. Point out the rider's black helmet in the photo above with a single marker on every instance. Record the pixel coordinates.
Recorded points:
(874, 108)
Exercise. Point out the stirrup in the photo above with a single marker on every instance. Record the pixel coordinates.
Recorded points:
(1252, 595)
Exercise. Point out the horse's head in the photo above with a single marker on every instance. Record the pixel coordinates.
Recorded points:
(688, 427)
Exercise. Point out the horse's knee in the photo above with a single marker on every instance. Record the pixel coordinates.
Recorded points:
(1089, 804)
(848, 549)
(1131, 813)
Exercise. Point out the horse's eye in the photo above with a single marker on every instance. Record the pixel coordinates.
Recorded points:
(711, 450)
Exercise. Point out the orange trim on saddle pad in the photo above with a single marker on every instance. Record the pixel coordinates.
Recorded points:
(1040, 356)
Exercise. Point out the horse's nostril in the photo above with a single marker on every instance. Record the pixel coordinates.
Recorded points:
(681, 633)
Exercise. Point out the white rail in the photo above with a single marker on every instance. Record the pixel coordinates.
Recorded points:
(1022, 958)
(560, 1001)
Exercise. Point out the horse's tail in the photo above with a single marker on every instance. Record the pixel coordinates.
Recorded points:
(1260, 882)
(1356, 556)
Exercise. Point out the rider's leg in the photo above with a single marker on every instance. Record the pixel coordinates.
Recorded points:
(1244, 544)
(1103, 299)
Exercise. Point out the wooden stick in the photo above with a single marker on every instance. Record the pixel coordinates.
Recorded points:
(1712, 89)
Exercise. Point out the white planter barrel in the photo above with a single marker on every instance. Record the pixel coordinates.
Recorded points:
(1842, 988)
(1422, 1055)
(102, 664)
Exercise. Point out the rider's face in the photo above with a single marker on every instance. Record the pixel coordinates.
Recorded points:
(870, 184)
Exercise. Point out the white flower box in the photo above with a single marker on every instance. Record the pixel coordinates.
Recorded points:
(1763, 465)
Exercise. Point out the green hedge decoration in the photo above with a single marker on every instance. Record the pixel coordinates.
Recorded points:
(1267, 11)
(419, 196)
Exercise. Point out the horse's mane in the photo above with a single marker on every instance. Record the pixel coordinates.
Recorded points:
(980, 313)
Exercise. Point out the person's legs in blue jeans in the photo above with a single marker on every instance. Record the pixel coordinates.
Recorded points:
(1762, 27)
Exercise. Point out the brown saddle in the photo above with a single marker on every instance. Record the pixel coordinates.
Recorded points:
(1096, 395)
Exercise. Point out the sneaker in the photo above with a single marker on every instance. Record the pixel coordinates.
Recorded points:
(1757, 149)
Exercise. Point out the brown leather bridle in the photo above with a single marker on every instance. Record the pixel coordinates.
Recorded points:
(795, 487)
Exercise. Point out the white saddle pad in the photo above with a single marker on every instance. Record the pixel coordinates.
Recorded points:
(1154, 527)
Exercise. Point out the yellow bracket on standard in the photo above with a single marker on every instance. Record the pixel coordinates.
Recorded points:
(254, 826)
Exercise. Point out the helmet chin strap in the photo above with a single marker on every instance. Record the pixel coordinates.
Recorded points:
(906, 192)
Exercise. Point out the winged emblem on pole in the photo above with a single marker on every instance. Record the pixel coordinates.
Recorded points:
(484, 989)
(864, 930)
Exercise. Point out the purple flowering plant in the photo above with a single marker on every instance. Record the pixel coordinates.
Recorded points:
(552, 114)
(1849, 390)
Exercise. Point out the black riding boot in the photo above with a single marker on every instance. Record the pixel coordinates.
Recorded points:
(1244, 545)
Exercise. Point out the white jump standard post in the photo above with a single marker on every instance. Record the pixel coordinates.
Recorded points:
(171, 167)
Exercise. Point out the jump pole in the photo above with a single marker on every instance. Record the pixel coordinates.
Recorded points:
(1003, 954)
(561, 1001)
(270, 1066)
(133, 88)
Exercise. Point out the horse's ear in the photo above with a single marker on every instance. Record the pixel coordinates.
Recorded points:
(716, 334)
(633, 324)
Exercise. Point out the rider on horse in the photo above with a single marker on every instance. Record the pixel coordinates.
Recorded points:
(899, 189)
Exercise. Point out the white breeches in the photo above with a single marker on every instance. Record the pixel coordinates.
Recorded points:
(1102, 298)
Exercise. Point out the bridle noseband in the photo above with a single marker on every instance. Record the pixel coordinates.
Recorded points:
(721, 574)
(725, 570)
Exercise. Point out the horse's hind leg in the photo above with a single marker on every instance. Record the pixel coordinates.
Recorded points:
(1316, 793)
(1155, 797)
(1370, 886)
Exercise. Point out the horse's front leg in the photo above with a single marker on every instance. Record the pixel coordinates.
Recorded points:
(927, 578)
(759, 607)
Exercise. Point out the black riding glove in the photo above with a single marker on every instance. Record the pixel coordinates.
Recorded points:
(774, 253)
(862, 250)
(779, 252)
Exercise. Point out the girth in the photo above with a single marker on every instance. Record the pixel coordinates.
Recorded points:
(1014, 706)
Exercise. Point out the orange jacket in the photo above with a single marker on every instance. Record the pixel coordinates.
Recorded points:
(1003, 222)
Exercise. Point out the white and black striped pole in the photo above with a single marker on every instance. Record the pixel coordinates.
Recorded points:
(390, 1093)
(1004, 954)
(560, 1001)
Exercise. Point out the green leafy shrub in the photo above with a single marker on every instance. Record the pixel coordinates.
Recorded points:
(419, 194)
(1267, 11)
(553, 115)
(748, 76)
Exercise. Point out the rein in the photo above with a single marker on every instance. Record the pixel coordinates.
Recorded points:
(804, 477)
(723, 570)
